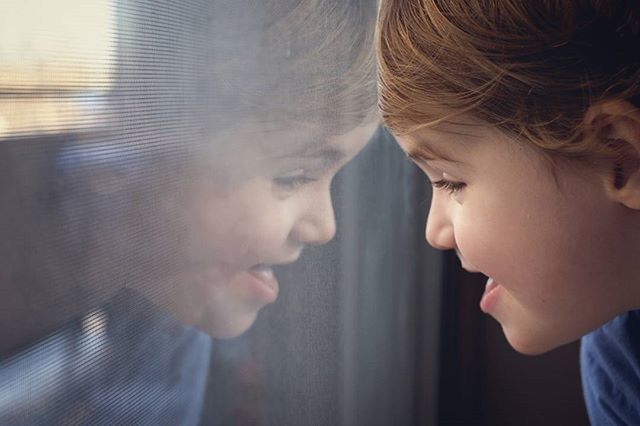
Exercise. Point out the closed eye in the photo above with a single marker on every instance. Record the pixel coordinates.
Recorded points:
(449, 186)
(293, 182)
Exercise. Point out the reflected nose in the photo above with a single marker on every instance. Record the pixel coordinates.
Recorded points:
(439, 230)
(317, 224)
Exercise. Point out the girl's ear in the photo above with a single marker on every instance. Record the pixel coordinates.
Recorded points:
(621, 131)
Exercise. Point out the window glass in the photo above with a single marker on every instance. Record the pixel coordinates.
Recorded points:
(200, 224)
(56, 65)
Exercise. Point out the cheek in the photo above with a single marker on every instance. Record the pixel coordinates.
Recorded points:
(484, 235)
(217, 225)
(552, 254)
(240, 230)
(519, 242)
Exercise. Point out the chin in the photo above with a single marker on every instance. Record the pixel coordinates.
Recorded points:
(530, 343)
(228, 327)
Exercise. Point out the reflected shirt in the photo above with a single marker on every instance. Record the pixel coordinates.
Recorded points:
(126, 362)
(610, 368)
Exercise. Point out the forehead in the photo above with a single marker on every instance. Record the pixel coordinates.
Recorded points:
(479, 149)
(255, 148)
(275, 139)
(448, 142)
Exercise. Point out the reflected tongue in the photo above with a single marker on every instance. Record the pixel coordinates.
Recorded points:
(265, 273)
(262, 271)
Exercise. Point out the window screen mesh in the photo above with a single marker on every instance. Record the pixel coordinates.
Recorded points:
(168, 212)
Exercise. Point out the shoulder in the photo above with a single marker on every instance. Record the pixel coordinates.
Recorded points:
(610, 367)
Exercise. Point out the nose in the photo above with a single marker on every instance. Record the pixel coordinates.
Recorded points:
(317, 223)
(439, 230)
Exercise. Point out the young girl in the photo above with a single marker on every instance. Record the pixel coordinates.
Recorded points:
(525, 116)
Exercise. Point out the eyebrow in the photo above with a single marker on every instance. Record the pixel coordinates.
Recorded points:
(429, 153)
(328, 155)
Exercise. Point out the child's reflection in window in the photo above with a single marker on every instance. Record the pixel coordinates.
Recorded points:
(188, 236)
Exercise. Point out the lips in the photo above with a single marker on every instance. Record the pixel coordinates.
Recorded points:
(264, 274)
(257, 285)
(491, 287)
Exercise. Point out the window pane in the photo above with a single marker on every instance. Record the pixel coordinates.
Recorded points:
(182, 238)
(56, 65)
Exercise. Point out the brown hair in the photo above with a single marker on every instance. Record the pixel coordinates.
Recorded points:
(531, 68)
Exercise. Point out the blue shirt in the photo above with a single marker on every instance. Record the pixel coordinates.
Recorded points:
(610, 368)
(126, 362)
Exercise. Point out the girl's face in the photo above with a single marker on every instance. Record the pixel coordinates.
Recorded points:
(260, 213)
(556, 252)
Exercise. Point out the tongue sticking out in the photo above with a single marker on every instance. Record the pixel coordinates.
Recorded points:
(491, 284)
(265, 275)
(489, 295)
(262, 271)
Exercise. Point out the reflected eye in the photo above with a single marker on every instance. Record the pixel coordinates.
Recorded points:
(291, 182)
(449, 186)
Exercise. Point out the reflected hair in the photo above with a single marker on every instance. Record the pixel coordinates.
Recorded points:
(309, 61)
(531, 69)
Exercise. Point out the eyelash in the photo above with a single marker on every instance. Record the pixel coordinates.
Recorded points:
(450, 187)
(293, 182)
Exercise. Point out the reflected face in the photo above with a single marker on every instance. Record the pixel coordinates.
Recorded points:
(262, 214)
(554, 251)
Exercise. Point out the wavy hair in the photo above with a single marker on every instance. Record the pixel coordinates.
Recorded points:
(530, 68)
